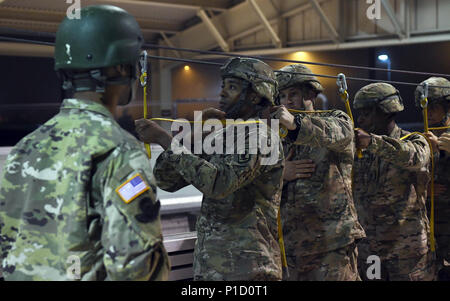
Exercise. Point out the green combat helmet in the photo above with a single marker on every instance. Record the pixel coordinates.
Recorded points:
(435, 95)
(256, 74)
(287, 80)
(382, 95)
(103, 36)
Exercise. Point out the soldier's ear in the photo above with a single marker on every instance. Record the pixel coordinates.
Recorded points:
(118, 70)
(255, 98)
(124, 70)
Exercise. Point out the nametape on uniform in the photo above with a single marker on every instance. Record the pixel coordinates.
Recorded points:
(132, 188)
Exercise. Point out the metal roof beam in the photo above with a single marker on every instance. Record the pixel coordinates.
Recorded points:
(391, 14)
(333, 33)
(273, 35)
(284, 15)
(209, 24)
(217, 5)
(37, 19)
(15, 13)
(170, 44)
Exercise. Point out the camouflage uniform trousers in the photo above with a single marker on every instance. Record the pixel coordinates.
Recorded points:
(402, 269)
(442, 234)
(442, 225)
(337, 265)
(442, 214)
(214, 276)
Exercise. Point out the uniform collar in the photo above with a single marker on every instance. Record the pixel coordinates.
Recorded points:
(396, 132)
(87, 105)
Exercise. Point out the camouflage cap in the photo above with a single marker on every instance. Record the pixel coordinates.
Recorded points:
(383, 95)
(256, 72)
(434, 94)
(287, 80)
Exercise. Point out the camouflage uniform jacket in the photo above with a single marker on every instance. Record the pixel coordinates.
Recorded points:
(318, 213)
(390, 183)
(237, 235)
(442, 174)
(442, 202)
(58, 199)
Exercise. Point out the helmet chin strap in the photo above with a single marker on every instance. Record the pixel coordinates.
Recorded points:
(130, 97)
(82, 82)
(93, 80)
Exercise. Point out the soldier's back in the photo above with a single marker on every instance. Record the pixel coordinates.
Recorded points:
(442, 204)
(50, 206)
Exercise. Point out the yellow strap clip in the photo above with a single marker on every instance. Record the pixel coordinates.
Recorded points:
(424, 105)
(342, 84)
(281, 243)
(143, 79)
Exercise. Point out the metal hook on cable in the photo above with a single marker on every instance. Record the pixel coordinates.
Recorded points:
(424, 96)
(424, 105)
(143, 79)
(143, 63)
(342, 84)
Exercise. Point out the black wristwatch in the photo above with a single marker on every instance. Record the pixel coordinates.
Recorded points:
(298, 123)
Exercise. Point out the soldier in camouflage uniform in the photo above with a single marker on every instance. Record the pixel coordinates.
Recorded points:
(320, 225)
(237, 235)
(439, 116)
(78, 199)
(390, 183)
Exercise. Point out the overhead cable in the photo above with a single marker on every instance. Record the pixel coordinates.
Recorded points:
(300, 73)
(255, 57)
(262, 58)
(294, 61)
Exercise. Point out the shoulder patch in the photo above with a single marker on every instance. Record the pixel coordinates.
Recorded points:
(243, 158)
(132, 188)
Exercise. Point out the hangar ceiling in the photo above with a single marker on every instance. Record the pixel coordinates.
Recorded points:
(248, 26)
(155, 17)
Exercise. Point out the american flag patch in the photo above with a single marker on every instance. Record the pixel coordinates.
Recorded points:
(132, 188)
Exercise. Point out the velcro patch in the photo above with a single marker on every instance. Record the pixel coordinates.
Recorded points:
(132, 188)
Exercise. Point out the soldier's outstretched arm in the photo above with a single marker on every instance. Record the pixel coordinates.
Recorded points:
(131, 234)
(411, 153)
(167, 176)
(334, 132)
(215, 178)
